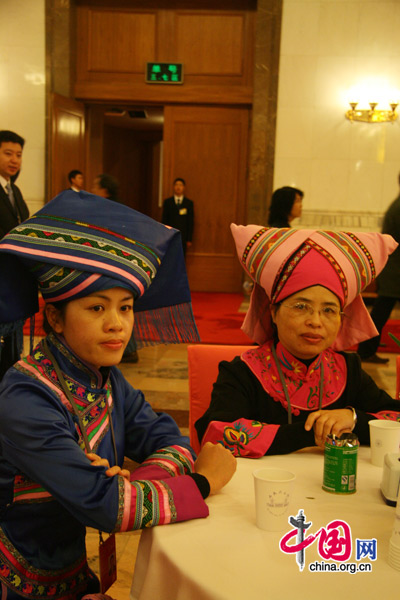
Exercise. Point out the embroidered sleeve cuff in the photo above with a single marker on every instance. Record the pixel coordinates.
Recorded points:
(243, 437)
(167, 462)
(146, 503)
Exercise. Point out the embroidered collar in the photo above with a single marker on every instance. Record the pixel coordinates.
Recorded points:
(84, 383)
(86, 373)
(302, 381)
(83, 380)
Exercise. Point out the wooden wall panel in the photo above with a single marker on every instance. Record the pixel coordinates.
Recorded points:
(218, 47)
(215, 47)
(120, 42)
(207, 146)
(67, 142)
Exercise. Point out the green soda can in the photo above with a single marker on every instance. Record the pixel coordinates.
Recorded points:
(340, 463)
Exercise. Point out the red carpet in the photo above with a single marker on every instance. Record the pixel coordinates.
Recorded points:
(219, 321)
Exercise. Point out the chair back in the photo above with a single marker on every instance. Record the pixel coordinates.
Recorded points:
(203, 361)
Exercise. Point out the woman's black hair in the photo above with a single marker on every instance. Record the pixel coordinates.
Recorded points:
(110, 184)
(281, 206)
(275, 337)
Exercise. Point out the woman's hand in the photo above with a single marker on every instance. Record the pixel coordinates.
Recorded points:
(97, 461)
(217, 464)
(327, 422)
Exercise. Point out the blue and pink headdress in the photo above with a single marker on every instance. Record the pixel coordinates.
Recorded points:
(80, 243)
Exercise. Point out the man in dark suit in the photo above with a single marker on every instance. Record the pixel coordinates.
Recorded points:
(75, 179)
(13, 211)
(178, 212)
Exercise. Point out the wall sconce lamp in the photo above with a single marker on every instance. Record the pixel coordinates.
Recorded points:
(372, 115)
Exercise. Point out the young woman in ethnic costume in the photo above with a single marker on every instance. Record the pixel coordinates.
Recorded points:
(298, 385)
(66, 411)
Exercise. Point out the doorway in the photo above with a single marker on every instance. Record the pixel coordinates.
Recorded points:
(147, 147)
(132, 152)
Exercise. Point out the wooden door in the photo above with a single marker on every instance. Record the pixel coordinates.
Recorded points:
(67, 143)
(207, 146)
(132, 156)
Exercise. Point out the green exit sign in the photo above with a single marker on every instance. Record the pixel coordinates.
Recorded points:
(164, 73)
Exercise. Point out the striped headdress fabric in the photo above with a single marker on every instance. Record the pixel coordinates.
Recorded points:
(282, 262)
(79, 243)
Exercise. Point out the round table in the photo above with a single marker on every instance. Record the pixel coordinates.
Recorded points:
(226, 557)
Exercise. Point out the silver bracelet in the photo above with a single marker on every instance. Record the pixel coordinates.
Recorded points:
(354, 415)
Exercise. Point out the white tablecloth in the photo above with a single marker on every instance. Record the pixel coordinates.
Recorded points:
(226, 557)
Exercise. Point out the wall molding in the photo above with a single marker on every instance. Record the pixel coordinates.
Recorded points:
(339, 220)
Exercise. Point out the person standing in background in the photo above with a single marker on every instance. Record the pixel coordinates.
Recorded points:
(13, 211)
(178, 212)
(106, 186)
(286, 205)
(388, 286)
(75, 179)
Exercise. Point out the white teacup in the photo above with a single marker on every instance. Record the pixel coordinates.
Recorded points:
(385, 437)
(273, 491)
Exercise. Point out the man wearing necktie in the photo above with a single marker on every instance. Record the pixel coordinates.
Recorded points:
(13, 211)
(178, 212)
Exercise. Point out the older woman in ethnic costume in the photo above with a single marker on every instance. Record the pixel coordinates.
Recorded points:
(67, 413)
(299, 385)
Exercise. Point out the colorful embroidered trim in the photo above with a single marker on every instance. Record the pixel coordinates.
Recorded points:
(266, 245)
(357, 254)
(283, 277)
(251, 243)
(27, 491)
(176, 460)
(149, 503)
(96, 228)
(91, 404)
(243, 437)
(302, 382)
(295, 259)
(21, 577)
(55, 238)
(387, 415)
(144, 504)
